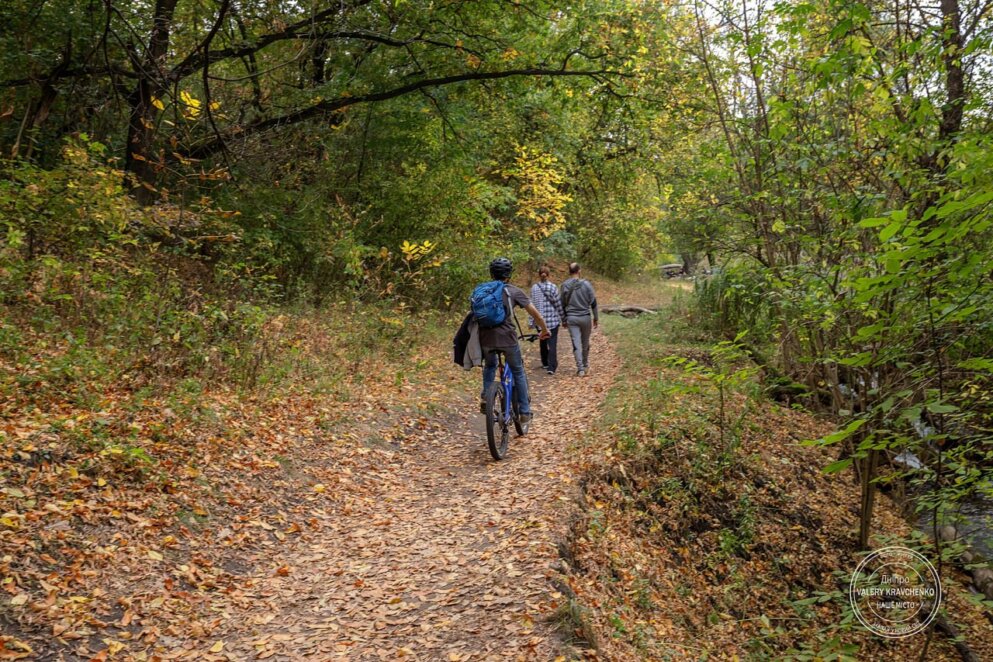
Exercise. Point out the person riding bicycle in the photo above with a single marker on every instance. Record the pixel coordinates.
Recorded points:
(503, 337)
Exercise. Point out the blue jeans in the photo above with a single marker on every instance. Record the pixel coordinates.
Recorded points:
(516, 363)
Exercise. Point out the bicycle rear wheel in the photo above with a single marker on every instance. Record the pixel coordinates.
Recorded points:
(497, 430)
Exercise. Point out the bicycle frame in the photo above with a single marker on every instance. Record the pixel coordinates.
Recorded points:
(506, 376)
(498, 422)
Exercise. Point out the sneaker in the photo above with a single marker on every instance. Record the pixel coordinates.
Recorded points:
(550, 372)
(580, 373)
(525, 419)
(482, 406)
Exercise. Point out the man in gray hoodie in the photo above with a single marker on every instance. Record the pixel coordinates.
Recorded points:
(578, 300)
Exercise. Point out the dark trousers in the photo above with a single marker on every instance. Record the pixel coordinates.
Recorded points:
(550, 351)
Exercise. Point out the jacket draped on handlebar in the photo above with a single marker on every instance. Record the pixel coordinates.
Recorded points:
(466, 349)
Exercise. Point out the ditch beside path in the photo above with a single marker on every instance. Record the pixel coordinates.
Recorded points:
(444, 554)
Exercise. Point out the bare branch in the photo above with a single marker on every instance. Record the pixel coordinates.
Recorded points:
(331, 106)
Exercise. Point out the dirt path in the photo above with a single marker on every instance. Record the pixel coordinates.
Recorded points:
(445, 554)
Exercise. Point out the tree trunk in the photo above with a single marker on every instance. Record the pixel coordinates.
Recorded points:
(139, 170)
(952, 112)
(868, 497)
(39, 112)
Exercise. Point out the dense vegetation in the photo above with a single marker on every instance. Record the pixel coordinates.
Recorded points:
(710, 529)
(857, 232)
(179, 175)
(176, 169)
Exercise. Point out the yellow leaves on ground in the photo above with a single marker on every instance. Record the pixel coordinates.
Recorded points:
(11, 520)
(113, 646)
(14, 649)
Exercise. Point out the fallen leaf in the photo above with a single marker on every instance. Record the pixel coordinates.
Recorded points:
(113, 646)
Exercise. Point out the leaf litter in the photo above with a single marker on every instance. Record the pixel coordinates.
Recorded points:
(232, 527)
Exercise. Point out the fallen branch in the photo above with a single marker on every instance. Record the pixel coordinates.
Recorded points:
(947, 628)
(628, 310)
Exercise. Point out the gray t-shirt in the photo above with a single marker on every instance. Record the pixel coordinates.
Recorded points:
(505, 335)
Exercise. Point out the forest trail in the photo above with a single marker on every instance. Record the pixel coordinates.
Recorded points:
(446, 555)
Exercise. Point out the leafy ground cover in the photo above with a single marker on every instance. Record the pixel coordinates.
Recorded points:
(349, 509)
(130, 506)
(691, 548)
(343, 504)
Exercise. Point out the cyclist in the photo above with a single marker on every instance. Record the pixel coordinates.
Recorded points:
(503, 337)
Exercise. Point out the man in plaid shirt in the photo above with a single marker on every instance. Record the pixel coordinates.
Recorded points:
(545, 297)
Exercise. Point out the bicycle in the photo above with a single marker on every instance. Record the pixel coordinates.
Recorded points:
(501, 405)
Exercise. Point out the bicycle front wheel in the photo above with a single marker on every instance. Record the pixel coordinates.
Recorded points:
(497, 430)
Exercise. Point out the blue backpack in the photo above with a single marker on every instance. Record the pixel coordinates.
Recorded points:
(487, 303)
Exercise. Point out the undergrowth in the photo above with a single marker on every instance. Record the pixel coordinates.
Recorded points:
(709, 529)
(151, 313)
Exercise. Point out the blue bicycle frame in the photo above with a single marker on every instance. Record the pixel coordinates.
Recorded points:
(498, 421)
(507, 381)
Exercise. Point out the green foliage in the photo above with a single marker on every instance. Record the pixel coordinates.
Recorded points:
(858, 232)
(62, 210)
(326, 167)
(728, 368)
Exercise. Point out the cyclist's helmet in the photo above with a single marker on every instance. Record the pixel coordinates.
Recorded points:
(501, 268)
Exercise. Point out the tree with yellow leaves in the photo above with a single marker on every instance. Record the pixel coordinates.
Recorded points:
(540, 200)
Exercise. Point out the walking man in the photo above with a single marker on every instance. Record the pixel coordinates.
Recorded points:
(579, 303)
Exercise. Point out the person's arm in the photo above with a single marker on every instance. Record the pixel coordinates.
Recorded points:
(538, 319)
(593, 306)
(566, 294)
